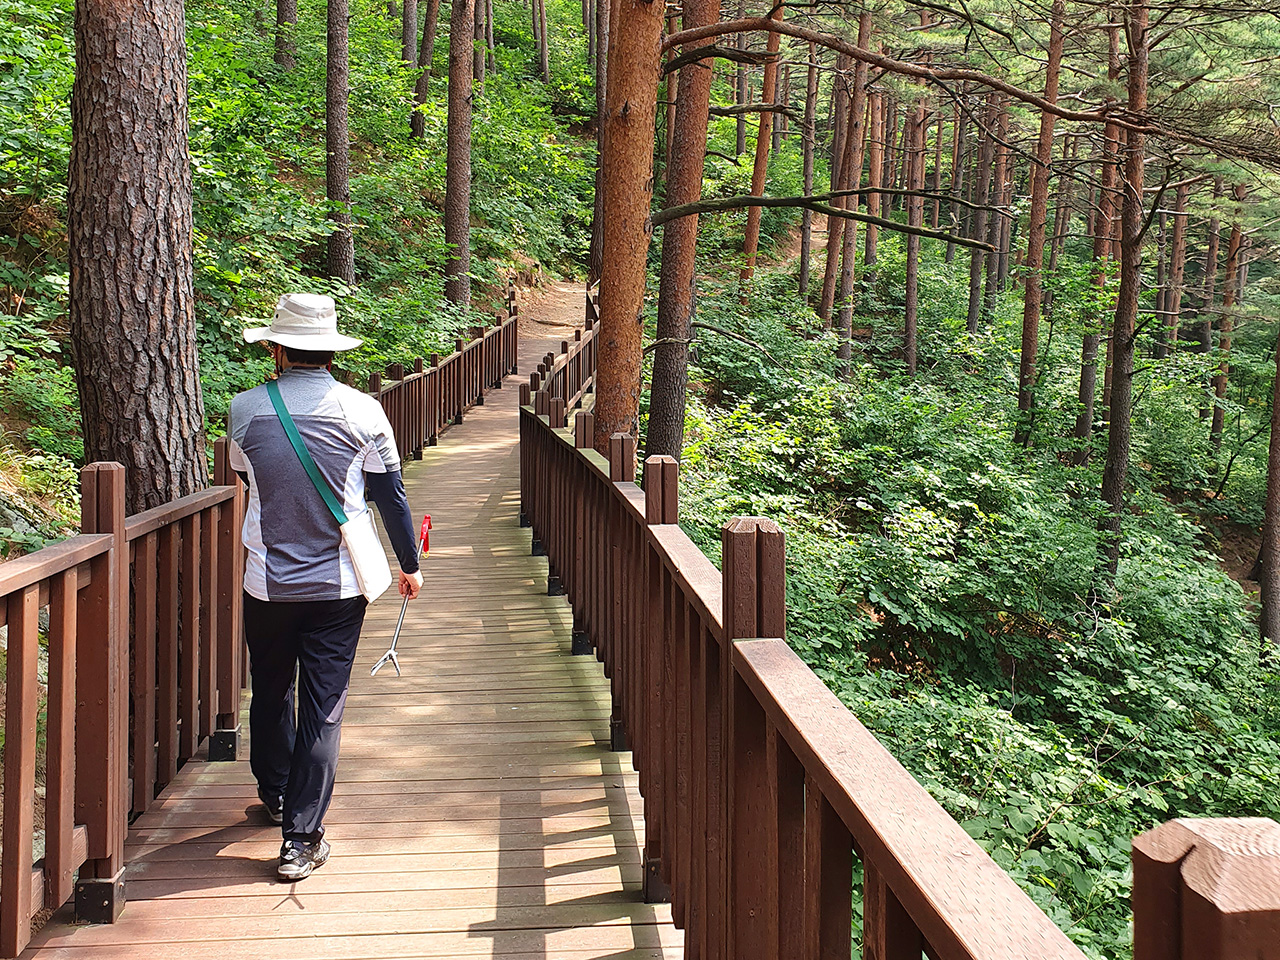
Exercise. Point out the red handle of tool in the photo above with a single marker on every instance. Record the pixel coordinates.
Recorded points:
(425, 537)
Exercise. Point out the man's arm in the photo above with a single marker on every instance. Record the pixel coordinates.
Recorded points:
(387, 491)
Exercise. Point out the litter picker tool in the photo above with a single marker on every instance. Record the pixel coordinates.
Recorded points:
(424, 550)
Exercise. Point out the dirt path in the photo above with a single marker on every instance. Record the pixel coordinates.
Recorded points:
(554, 310)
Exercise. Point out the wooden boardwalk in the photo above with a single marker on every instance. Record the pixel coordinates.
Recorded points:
(478, 811)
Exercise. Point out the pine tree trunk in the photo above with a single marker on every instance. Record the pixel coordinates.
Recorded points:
(875, 164)
(590, 27)
(959, 156)
(1033, 291)
(741, 96)
(809, 134)
(1177, 262)
(133, 331)
(1226, 323)
(457, 187)
(1205, 328)
(1269, 558)
(488, 28)
(286, 20)
(544, 48)
(782, 100)
(835, 225)
(915, 218)
(1160, 349)
(596, 264)
(890, 128)
(751, 236)
(665, 433)
(936, 213)
(851, 177)
(478, 40)
(341, 247)
(995, 227)
(422, 86)
(627, 172)
(669, 106)
(1116, 470)
(409, 33)
(982, 199)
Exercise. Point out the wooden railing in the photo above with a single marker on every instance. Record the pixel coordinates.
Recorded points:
(145, 662)
(760, 788)
(437, 392)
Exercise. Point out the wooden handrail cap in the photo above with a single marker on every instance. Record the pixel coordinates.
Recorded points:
(747, 524)
(1233, 864)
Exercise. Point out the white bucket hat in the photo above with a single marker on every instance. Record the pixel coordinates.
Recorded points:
(304, 321)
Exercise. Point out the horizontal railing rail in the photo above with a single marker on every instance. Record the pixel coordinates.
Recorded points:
(145, 662)
(760, 788)
(421, 403)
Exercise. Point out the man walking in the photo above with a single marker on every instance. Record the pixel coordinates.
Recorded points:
(303, 606)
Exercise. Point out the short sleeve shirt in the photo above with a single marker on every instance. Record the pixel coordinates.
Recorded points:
(293, 548)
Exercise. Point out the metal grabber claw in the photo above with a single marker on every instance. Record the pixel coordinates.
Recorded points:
(390, 656)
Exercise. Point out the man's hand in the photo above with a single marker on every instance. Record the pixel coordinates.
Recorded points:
(410, 584)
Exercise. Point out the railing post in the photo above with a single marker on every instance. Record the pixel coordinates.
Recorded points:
(224, 745)
(102, 689)
(584, 425)
(622, 469)
(661, 503)
(753, 563)
(1207, 889)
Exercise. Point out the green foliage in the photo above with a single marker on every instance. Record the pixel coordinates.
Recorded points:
(942, 581)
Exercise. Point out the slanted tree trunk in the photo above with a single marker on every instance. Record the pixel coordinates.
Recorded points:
(679, 246)
(133, 330)
(409, 33)
(1033, 291)
(851, 177)
(875, 164)
(457, 186)
(422, 86)
(627, 173)
(915, 218)
(1269, 558)
(1116, 470)
(596, 264)
(1226, 323)
(840, 100)
(809, 134)
(337, 168)
(751, 236)
(286, 20)
(982, 199)
(544, 48)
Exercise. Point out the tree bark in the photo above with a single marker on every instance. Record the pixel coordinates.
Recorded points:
(627, 171)
(995, 227)
(809, 133)
(665, 433)
(544, 48)
(457, 186)
(1177, 263)
(851, 175)
(1269, 558)
(740, 86)
(1116, 470)
(422, 86)
(337, 168)
(751, 236)
(1205, 329)
(286, 20)
(409, 32)
(959, 157)
(915, 218)
(1226, 322)
(982, 198)
(478, 40)
(596, 264)
(835, 225)
(1032, 294)
(875, 164)
(133, 331)
(936, 212)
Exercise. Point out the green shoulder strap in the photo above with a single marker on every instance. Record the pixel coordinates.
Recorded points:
(322, 488)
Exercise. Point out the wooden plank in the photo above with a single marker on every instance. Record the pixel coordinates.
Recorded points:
(22, 572)
(149, 521)
(189, 639)
(61, 855)
(21, 705)
(167, 656)
(144, 672)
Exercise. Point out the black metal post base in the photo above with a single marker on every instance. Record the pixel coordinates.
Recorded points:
(525, 521)
(617, 736)
(554, 587)
(480, 400)
(457, 420)
(652, 887)
(224, 745)
(100, 899)
(538, 549)
(580, 644)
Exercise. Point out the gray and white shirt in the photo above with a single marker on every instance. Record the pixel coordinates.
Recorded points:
(294, 550)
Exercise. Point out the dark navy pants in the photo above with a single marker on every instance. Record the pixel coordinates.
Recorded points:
(298, 758)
